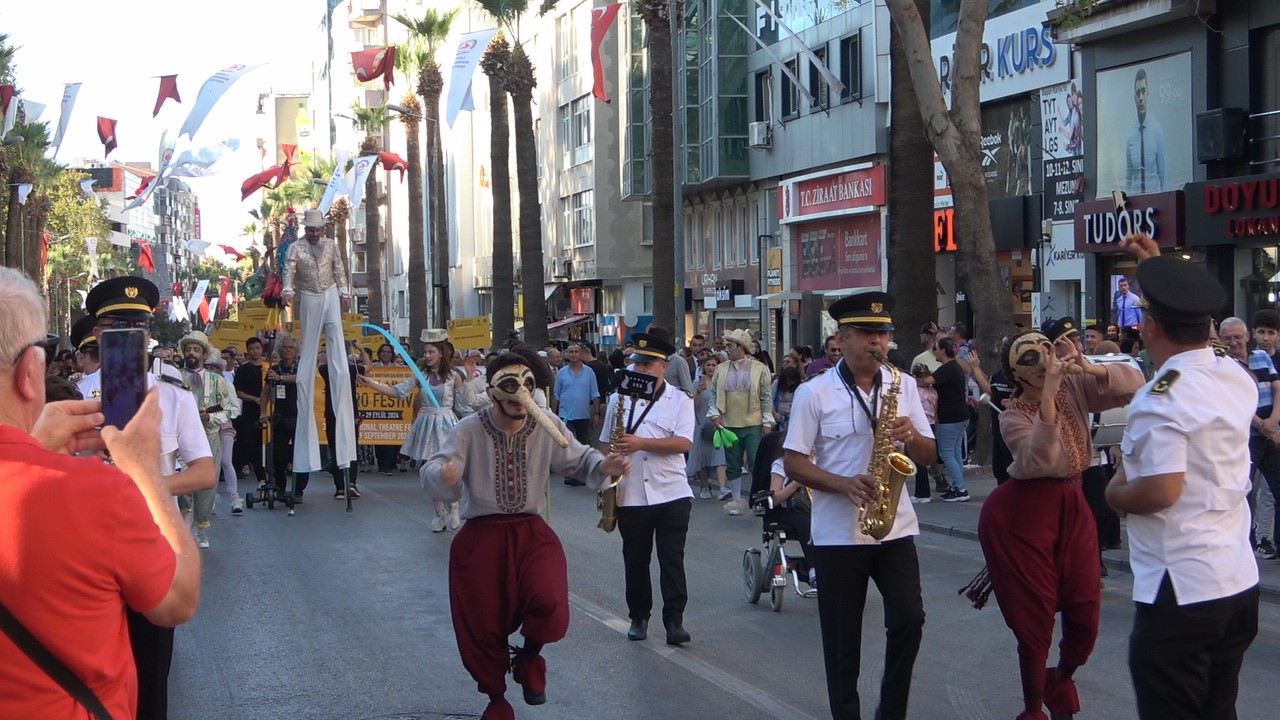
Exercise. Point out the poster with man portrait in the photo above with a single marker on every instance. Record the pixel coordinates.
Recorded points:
(1145, 126)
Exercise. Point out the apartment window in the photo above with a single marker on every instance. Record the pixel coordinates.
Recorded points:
(744, 236)
(730, 238)
(358, 262)
(564, 40)
(818, 87)
(694, 241)
(583, 221)
(790, 92)
(401, 305)
(575, 130)
(851, 67)
(688, 233)
(764, 96)
(717, 233)
(647, 308)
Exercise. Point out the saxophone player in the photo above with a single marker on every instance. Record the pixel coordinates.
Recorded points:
(837, 419)
(654, 498)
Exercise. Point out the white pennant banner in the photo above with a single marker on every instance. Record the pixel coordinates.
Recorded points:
(197, 296)
(210, 92)
(336, 184)
(359, 172)
(470, 49)
(68, 102)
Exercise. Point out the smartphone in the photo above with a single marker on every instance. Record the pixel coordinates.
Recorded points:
(123, 354)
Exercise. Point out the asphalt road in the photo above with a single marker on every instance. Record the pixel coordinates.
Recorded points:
(338, 616)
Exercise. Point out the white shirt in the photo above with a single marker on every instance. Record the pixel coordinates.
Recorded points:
(655, 478)
(1199, 425)
(829, 425)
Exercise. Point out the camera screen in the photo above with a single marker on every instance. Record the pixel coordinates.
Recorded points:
(124, 374)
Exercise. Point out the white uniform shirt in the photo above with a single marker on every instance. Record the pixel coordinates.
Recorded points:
(655, 478)
(1199, 425)
(90, 385)
(829, 425)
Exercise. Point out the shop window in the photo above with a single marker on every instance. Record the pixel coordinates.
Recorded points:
(851, 67)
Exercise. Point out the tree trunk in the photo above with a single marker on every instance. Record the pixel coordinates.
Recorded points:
(911, 254)
(955, 136)
(495, 66)
(13, 232)
(373, 239)
(662, 163)
(418, 297)
(438, 194)
(532, 275)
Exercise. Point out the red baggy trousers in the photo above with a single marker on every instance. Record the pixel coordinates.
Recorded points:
(1041, 547)
(506, 572)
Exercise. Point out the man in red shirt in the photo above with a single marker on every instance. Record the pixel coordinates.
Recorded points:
(79, 540)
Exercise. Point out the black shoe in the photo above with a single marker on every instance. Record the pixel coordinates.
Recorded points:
(355, 491)
(639, 630)
(339, 494)
(677, 635)
(953, 495)
(574, 482)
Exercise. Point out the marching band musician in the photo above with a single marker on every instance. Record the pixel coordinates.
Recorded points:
(1183, 485)
(507, 569)
(829, 447)
(85, 344)
(130, 302)
(654, 499)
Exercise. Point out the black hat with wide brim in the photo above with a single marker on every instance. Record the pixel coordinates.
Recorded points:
(868, 311)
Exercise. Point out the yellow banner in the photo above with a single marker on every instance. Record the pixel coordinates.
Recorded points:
(469, 333)
(384, 420)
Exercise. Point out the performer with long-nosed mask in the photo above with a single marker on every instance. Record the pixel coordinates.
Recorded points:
(507, 569)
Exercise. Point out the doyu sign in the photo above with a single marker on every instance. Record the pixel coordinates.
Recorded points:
(1234, 210)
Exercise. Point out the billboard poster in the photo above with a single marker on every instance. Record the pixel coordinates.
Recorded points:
(1062, 140)
(1006, 148)
(1147, 143)
(840, 253)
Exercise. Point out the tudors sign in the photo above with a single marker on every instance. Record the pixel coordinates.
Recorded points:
(1099, 228)
(1238, 210)
(840, 193)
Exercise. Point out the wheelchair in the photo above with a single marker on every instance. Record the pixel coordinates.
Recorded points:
(771, 567)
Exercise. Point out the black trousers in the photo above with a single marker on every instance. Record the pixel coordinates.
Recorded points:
(581, 430)
(247, 449)
(282, 454)
(331, 454)
(844, 571)
(386, 455)
(153, 654)
(1185, 660)
(642, 528)
(1094, 482)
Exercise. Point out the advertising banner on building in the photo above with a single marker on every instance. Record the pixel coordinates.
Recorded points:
(1018, 51)
(1006, 148)
(1062, 144)
(1241, 211)
(1099, 228)
(829, 194)
(839, 253)
(1147, 143)
(384, 420)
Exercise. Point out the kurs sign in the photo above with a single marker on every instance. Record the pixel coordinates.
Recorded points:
(1018, 55)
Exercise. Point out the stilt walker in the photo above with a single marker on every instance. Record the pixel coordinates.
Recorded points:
(314, 273)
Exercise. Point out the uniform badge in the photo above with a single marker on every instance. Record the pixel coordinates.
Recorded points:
(131, 292)
(1165, 381)
(877, 307)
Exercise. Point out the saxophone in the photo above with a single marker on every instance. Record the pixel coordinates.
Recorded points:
(607, 497)
(889, 468)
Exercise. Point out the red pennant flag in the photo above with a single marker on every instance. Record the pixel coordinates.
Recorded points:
(225, 293)
(378, 62)
(232, 252)
(44, 250)
(204, 309)
(601, 21)
(107, 134)
(142, 187)
(392, 161)
(146, 260)
(258, 181)
(168, 90)
(6, 96)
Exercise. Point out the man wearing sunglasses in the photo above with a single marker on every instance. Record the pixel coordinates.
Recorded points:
(507, 569)
(130, 302)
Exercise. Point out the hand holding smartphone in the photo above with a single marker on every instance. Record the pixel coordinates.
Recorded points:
(124, 374)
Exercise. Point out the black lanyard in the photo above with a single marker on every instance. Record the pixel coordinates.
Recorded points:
(850, 385)
(633, 426)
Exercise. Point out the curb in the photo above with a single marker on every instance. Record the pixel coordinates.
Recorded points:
(1268, 594)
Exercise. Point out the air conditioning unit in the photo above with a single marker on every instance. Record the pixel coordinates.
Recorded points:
(759, 135)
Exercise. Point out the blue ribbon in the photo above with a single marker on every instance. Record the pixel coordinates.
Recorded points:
(408, 359)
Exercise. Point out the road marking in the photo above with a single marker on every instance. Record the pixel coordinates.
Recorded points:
(729, 683)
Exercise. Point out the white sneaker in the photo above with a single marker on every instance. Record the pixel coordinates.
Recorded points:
(705, 494)
(921, 500)
(437, 523)
(202, 538)
(454, 520)
(237, 505)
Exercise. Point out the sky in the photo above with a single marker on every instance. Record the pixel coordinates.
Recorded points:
(118, 49)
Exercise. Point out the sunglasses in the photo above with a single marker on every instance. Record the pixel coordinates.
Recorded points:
(125, 324)
(48, 343)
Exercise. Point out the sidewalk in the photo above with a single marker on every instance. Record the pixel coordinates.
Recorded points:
(961, 520)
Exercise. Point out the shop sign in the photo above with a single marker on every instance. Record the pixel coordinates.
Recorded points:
(1099, 228)
(1018, 55)
(1235, 210)
(836, 193)
(839, 253)
(773, 271)
(1062, 140)
(708, 283)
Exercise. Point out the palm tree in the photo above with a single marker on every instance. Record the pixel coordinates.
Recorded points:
(910, 195)
(373, 121)
(657, 20)
(410, 58)
(432, 31)
(521, 83)
(24, 223)
(339, 213)
(495, 64)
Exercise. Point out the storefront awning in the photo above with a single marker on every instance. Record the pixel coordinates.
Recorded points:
(571, 320)
(792, 295)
